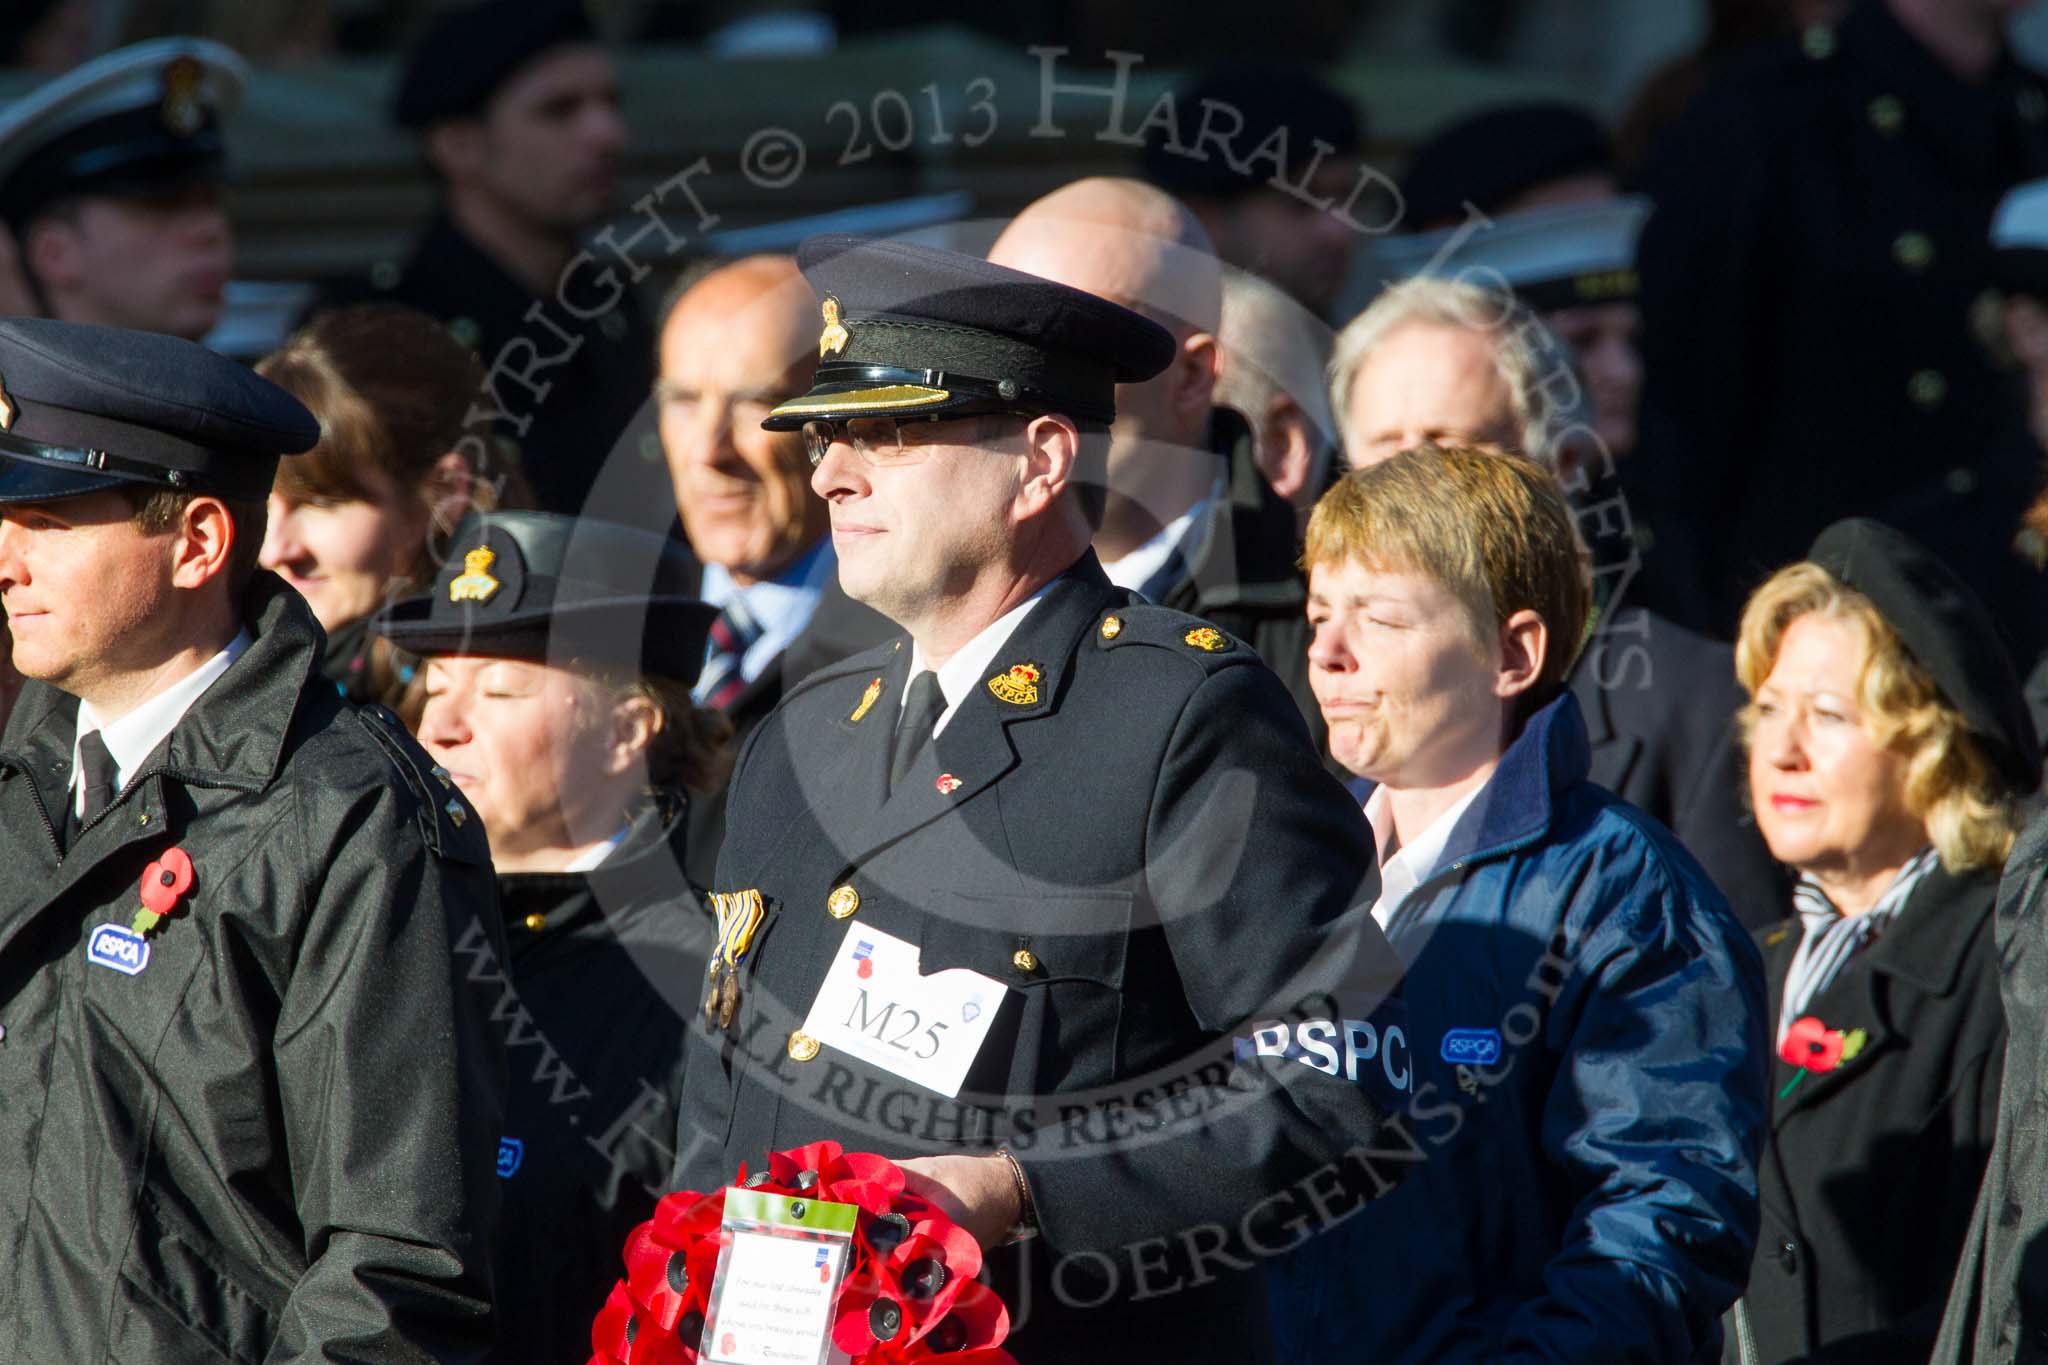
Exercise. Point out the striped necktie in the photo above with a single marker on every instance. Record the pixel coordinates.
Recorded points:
(725, 653)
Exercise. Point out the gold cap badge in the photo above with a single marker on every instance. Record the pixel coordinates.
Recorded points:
(7, 408)
(181, 110)
(1207, 637)
(475, 584)
(833, 339)
(1019, 686)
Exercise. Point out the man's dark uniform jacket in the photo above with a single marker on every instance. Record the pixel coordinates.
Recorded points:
(565, 436)
(1141, 845)
(604, 973)
(1813, 281)
(1998, 1306)
(275, 1141)
(839, 627)
(1246, 577)
(1660, 704)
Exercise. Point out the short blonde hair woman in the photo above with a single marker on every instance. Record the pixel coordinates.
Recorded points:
(1888, 748)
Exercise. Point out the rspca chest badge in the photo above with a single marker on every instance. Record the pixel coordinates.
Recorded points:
(1471, 1046)
(123, 950)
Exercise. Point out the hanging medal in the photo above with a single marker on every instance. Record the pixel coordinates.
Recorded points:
(739, 916)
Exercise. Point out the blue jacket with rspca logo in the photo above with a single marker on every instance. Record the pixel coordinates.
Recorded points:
(1591, 1101)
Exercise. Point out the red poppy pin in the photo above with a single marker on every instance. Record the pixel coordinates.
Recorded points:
(164, 884)
(1816, 1049)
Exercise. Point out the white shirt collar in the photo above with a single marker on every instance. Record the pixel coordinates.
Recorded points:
(782, 606)
(1136, 569)
(1414, 860)
(591, 857)
(959, 675)
(133, 737)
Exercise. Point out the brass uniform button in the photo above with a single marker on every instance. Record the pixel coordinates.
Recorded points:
(536, 922)
(1112, 627)
(802, 1046)
(1024, 960)
(1927, 389)
(1887, 115)
(843, 901)
(1913, 250)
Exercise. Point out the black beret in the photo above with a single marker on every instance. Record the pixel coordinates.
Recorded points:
(911, 330)
(1944, 627)
(1492, 157)
(548, 587)
(84, 408)
(139, 120)
(469, 50)
(1269, 98)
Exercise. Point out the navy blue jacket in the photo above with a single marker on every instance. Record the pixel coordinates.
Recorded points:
(1593, 1112)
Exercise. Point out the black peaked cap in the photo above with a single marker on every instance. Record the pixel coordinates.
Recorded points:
(911, 330)
(1945, 628)
(84, 408)
(1272, 100)
(1491, 157)
(548, 587)
(470, 50)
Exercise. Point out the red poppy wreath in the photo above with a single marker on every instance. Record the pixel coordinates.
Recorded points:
(909, 1292)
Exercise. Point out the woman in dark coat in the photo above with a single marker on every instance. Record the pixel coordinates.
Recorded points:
(557, 697)
(1888, 744)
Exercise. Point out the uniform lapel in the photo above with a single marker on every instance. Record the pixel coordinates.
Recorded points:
(974, 750)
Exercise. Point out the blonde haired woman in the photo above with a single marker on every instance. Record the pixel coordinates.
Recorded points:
(1888, 746)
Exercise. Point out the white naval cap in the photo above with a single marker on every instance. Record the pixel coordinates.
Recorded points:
(137, 119)
(1554, 257)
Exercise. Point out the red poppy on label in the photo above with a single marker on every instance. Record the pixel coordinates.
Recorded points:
(725, 1344)
(165, 882)
(866, 968)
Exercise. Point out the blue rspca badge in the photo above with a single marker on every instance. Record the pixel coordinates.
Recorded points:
(1471, 1046)
(121, 949)
(511, 1151)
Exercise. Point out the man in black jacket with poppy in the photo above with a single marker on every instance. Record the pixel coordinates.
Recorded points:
(251, 1103)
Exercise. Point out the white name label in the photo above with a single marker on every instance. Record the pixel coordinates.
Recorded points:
(875, 1006)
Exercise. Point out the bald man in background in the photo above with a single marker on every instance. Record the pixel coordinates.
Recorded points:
(736, 342)
(1189, 520)
(1275, 355)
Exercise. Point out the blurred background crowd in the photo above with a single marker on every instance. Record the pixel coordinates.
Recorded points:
(1730, 271)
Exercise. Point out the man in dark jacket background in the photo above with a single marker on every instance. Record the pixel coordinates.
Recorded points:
(251, 1105)
(1190, 521)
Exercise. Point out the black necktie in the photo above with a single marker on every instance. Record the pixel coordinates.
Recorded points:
(923, 704)
(95, 779)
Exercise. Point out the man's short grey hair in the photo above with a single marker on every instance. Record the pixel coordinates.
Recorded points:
(1550, 404)
(1272, 345)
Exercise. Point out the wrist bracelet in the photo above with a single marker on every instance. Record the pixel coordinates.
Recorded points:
(1027, 1214)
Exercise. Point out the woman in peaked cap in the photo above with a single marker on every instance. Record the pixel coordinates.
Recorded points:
(559, 656)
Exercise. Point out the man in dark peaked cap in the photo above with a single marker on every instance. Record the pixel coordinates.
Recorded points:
(516, 107)
(1099, 821)
(251, 1105)
(110, 188)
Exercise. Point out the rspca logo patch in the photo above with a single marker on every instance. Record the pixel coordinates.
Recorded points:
(511, 1151)
(123, 950)
(1471, 1046)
